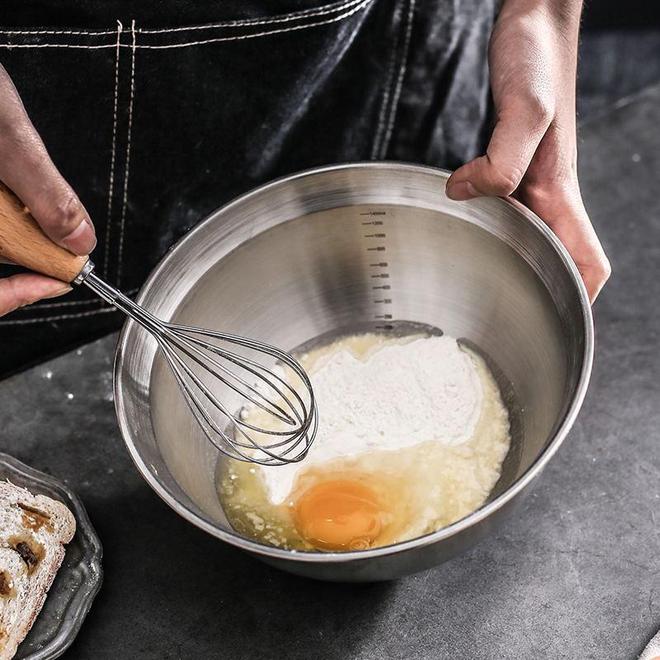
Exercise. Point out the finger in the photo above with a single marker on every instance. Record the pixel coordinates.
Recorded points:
(562, 208)
(515, 139)
(592, 262)
(27, 169)
(595, 278)
(20, 290)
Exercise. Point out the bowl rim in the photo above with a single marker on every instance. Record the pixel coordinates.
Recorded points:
(457, 527)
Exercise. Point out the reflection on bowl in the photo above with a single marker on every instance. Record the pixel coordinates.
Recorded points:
(318, 254)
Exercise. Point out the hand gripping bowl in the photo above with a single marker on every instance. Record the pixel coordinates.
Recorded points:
(357, 247)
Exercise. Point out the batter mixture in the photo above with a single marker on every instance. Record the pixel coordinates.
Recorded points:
(412, 435)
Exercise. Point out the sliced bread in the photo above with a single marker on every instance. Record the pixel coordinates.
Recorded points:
(33, 531)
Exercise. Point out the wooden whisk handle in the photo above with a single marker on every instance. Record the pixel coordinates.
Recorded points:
(24, 243)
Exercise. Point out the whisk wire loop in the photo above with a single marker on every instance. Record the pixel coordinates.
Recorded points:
(187, 345)
(192, 352)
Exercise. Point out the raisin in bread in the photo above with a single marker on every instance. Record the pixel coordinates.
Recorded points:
(33, 531)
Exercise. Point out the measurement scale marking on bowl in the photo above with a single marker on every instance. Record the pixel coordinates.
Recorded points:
(374, 234)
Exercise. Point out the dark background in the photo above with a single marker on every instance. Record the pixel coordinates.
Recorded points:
(616, 14)
(619, 53)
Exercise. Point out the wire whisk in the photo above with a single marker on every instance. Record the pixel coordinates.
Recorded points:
(192, 352)
(219, 384)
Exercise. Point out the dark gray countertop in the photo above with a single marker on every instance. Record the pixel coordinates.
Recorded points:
(576, 574)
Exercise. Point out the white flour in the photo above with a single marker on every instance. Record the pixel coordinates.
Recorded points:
(402, 395)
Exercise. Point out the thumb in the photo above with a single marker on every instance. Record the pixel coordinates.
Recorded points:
(515, 139)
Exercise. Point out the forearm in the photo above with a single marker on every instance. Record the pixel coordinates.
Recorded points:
(547, 36)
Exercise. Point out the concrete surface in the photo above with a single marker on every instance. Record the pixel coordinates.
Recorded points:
(574, 575)
(609, 65)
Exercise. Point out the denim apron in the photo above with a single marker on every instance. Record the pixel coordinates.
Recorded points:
(159, 114)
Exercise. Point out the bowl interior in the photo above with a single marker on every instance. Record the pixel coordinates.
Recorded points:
(358, 249)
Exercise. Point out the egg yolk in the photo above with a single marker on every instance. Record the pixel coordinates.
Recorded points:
(339, 515)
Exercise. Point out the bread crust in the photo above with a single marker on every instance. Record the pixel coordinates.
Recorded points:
(33, 532)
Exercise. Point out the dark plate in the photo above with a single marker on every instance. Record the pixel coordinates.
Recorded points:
(78, 580)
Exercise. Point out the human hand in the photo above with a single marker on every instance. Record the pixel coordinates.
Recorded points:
(532, 153)
(26, 168)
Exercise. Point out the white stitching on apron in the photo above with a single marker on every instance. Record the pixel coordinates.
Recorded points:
(11, 46)
(361, 5)
(85, 33)
(59, 317)
(284, 18)
(128, 157)
(65, 303)
(42, 305)
(399, 83)
(292, 16)
(111, 185)
(304, 26)
(71, 303)
(38, 319)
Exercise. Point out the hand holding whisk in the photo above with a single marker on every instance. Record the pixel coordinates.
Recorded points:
(207, 367)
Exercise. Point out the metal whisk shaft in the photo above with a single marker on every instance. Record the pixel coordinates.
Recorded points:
(196, 355)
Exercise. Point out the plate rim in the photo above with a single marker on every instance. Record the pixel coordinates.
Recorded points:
(82, 601)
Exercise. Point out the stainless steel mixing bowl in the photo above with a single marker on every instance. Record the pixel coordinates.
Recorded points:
(351, 247)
